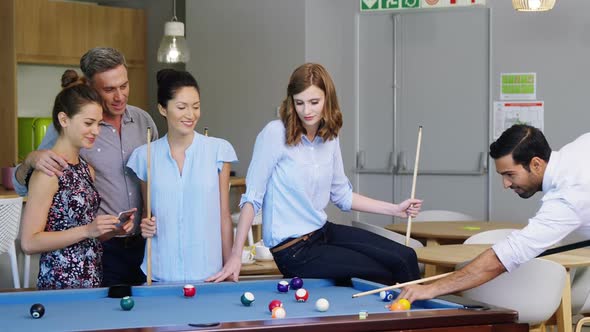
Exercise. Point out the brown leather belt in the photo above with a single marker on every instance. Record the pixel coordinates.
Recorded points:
(292, 242)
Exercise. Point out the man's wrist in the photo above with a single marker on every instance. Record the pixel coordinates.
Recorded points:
(23, 172)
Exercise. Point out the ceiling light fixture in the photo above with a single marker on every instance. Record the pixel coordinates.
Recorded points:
(173, 47)
(533, 5)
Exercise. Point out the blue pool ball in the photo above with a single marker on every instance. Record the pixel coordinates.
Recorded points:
(283, 286)
(296, 283)
(127, 303)
(37, 310)
(247, 298)
(386, 296)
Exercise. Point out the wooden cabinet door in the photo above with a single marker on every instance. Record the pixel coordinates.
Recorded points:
(137, 87)
(121, 28)
(51, 32)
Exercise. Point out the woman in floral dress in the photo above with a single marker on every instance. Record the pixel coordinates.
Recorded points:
(60, 219)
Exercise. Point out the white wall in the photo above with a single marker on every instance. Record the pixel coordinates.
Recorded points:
(243, 53)
(37, 87)
(555, 45)
(330, 39)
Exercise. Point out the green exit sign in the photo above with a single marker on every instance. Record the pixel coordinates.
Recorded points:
(370, 5)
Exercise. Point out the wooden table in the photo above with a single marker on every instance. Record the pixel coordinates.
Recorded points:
(237, 181)
(260, 268)
(449, 232)
(446, 257)
(7, 193)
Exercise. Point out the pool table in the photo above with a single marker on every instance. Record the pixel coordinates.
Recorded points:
(217, 307)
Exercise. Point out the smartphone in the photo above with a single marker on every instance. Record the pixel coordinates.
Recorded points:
(124, 216)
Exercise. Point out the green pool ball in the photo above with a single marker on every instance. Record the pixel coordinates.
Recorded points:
(127, 303)
(247, 299)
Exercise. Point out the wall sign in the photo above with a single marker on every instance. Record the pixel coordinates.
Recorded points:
(392, 5)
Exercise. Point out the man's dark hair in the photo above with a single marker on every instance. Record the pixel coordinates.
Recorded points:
(524, 142)
(99, 60)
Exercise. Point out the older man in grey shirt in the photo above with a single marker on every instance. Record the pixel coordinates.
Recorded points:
(124, 127)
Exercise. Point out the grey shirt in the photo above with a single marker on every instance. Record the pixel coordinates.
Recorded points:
(119, 187)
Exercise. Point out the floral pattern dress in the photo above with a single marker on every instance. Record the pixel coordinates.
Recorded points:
(75, 204)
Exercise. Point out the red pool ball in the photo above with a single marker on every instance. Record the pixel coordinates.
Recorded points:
(274, 304)
(301, 295)
(189, 290)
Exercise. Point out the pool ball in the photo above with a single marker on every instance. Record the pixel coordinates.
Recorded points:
(283, 286)
(247, 298)
(322, 305)
(278, 312)
(37, 310)
(405, 303)
(397, 306)
(386, 295)
(273, 304)
(189, 290)
(301, 295)
(127, 303)
(296, 283)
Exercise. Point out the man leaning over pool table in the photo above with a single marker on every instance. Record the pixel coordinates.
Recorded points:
(527, 165)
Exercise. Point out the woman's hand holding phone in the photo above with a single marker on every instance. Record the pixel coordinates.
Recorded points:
(125, 224)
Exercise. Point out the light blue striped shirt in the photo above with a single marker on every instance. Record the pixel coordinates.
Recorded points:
(187, 244)
(293, 184)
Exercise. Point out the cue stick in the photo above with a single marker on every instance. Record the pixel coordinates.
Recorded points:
(206, 131)
(413, 195)
(413, 282)
(567, 247)
(149, 208)
(547, 252)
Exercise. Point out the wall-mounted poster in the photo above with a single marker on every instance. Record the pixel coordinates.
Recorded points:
(509, 113)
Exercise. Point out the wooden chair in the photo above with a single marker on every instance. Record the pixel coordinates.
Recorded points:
(581, 295)
(10, 213)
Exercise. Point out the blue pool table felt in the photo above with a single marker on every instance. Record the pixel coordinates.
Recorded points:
(165, 305)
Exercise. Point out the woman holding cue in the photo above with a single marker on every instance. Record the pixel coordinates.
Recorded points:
(296, 170)
(190, 227)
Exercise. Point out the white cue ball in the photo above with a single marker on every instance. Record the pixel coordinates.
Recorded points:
(322, 305)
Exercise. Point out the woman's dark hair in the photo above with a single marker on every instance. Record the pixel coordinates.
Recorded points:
(170, 81)
(75, 94)
(524, 142)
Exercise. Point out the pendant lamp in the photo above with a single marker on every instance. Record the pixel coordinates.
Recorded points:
(533, 5)
(173, 47)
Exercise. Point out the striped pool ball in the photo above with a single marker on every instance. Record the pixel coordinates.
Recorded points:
(283, 286)
(386, 296)
(247, 298)
(301, 295)
(279, 313)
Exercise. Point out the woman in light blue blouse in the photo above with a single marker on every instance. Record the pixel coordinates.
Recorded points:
(296, 170)
(191, 225)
